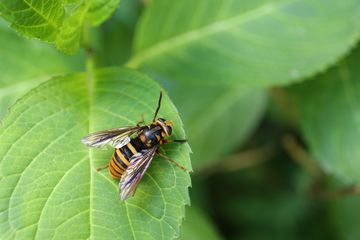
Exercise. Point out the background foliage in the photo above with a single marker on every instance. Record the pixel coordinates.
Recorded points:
(268, 92)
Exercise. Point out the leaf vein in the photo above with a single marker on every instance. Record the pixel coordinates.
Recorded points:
(54, 190)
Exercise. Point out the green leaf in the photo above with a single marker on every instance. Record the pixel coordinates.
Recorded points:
(21, 72)
(217, 120)
(100, 10)
(50, 188)
(258, 43)
(116, 38)
(329, 116)
(198, 226)
(58, 22)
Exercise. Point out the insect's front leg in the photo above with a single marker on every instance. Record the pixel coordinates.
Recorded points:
(142, 121)
(174, 140)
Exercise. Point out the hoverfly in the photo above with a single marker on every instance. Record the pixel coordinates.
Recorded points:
(135, 147)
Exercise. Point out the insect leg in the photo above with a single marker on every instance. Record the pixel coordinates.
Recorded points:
(171, 160)
(102, 167)
(142, 121)
(158, 107)
(175, 140)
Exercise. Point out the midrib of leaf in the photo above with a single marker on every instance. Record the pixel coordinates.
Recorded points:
(90, 79)
(90, 85)
(198, 33)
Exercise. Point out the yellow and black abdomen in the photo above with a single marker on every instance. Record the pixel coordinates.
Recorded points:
(121, 159)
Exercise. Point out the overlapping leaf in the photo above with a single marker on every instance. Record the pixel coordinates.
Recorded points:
(59, 22)
(25, 63)
(50, 189)
(244, 42)
(100, 10)
(217, 120)
(329, 115)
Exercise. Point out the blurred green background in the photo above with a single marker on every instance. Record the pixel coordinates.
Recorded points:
(272, 115)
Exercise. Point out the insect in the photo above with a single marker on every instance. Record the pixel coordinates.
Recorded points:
(135, 147)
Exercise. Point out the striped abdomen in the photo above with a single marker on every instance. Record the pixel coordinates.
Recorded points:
(121, 158)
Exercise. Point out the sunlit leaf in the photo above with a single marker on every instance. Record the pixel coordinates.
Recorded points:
(248, 42)
(56, 21)
(100, 10)
(49, 186)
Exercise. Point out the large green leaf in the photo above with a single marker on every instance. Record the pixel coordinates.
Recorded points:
(49, 186)
(329, 115)
(26, 63)
(217, 120)
(198, 226)
(56, 21)
(249, 42)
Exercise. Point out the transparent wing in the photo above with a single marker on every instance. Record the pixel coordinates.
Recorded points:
(116, 137)
(139, 163)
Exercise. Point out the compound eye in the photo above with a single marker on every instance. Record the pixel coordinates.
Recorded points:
(161, 119)
(169, 130)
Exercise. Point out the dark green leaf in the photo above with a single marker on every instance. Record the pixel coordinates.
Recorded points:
(344, 213)
(217, 120)
(198, 226)
(329, 115)
(116, 35)
(258, 43)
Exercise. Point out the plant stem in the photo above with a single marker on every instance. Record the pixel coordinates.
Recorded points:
(301, 156)
(337, 193)
(89, 57)
(242, 160)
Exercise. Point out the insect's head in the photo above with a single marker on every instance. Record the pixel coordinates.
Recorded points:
(166, 126)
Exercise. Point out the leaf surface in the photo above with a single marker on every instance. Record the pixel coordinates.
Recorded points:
(257, 43)
(21, 72)
(329, 116)
(50, 188)
(217, 120)
(56, 21)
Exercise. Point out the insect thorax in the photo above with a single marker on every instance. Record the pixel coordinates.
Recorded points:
(151, 135)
